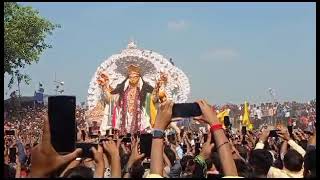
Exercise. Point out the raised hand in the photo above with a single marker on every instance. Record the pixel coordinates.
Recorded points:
(206, 148)
(164, 113)
(44, 159)
(135, 155)
(284, 134)
(98, 159)
(264, 135)
(110, 147)
(208, 115)
(98, 154)
(113, 152)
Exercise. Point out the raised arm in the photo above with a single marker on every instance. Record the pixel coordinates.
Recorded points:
(163, 119)
(111, 148)
(284, 149)
(222, 143)
(134, 157)
(284, 134)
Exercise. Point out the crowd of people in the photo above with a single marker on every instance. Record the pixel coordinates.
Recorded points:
(302, 115)
(267, 151)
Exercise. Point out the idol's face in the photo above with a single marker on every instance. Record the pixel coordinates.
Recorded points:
(133, 79)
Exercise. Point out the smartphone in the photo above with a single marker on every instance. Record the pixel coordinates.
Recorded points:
(102, 139)
(244, 130)
(12, 155)
(197, 148)
(146, 165)
(108, 132)
(184, 148)
(290, 131)
(308, 132)
(83, 135)
(205, 137)
(226, 121)
(186, 110)
(126, 140)
(145, 144)
(61, 111)
(110, 136)
(86, 149)
(273, 133)
(10, 132)
(128, 135)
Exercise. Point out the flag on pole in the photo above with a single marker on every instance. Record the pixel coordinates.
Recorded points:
(246, 117)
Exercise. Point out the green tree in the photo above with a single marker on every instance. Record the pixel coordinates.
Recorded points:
(24, 39)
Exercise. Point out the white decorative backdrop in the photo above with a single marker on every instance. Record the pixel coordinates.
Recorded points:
(150, 63)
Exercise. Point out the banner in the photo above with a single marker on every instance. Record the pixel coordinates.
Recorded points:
(38, 97)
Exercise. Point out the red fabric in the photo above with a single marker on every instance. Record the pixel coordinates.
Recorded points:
(215, 127)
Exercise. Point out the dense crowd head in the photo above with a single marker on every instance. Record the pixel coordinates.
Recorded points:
(187, 153)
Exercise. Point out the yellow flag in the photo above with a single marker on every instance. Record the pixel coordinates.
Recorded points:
(246, 116)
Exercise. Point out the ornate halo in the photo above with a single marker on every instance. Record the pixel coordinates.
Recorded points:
(150, 63)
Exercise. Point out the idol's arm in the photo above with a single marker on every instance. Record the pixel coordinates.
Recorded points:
(154, 95)
(106, 96)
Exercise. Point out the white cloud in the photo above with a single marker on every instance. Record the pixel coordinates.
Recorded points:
(221, 54)
(177, 25)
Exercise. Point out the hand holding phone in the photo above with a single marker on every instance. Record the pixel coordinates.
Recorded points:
(273, 133)
(10, 132)
(86, 149)
(186, 110)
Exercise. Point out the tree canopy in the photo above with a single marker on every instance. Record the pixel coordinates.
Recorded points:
(24, 39)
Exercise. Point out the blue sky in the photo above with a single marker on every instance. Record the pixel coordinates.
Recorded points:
(231, 52)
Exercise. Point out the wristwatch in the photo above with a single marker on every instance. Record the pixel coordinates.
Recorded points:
(158, 134)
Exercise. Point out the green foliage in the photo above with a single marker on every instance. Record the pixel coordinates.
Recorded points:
(24, 39)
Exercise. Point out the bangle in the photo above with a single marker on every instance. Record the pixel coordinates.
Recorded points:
(222, 144)
(215, 127)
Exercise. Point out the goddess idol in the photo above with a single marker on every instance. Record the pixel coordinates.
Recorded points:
(128, 87)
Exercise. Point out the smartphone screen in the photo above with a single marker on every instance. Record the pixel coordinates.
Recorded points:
(86, 149)
(226, 121)
(290, 130)
(244, 130)
(12, 155)
(184, 148)
(126, 140)
(146, 165)
(61, 111)
(128, 135)
(186, 110)
(197, 148)
(10, 132)
(145, 144)
(273, 133)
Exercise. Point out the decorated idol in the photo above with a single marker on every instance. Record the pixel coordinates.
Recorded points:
(127, 88)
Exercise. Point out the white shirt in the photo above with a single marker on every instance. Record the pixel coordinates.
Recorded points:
(287, 114)
(259, 113)
(179, 151)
